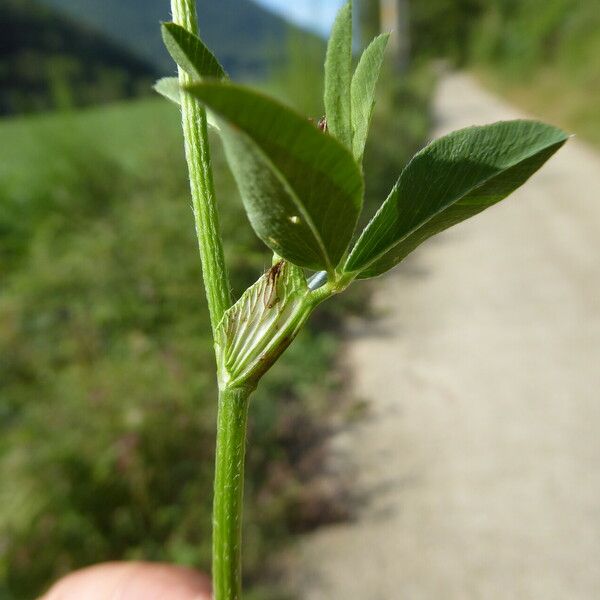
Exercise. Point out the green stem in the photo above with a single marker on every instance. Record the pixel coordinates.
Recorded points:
(195, 132)
(229, 493)
(233, 403)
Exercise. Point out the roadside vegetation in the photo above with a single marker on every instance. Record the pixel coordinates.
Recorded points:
(544, 57)
(541, 54)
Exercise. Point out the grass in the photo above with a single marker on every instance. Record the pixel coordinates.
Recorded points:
(130, 132)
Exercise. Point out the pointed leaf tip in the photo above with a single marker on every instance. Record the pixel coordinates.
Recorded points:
(452, 179)
(190, 53)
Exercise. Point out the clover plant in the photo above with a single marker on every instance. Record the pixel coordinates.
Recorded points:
(302, 186)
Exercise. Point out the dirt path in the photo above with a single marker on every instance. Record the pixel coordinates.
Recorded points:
(480, 458)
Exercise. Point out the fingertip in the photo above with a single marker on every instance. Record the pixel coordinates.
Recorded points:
(132, 581)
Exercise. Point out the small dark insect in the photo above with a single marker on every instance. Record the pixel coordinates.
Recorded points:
(322, 124)
(270, 298)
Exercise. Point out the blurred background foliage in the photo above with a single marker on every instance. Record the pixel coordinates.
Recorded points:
(106, 388)
(543, 54)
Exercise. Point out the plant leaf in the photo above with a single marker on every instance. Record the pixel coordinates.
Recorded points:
(338, 77)
(169, 88)
(301, 188)
(362, 92)
(452, 179)
(190, 53)
(262, 324)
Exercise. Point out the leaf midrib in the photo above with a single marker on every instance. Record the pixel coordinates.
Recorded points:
(295, 199)
(442, 209)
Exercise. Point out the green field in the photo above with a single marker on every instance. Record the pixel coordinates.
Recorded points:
(129, 132)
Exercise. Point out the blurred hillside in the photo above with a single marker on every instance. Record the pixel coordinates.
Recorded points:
(242, 34)
(48, 61)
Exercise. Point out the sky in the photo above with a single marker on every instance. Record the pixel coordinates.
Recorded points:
(317, 15)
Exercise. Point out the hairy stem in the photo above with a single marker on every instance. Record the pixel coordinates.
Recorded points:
(195, 132)
(229, 493)
(233, 404)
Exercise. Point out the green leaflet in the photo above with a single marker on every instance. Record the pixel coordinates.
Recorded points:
(190, 53)
(262, 324)
(338, 77)
(449, 181)
(362, 92)
(301, 188)
(169, 88)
